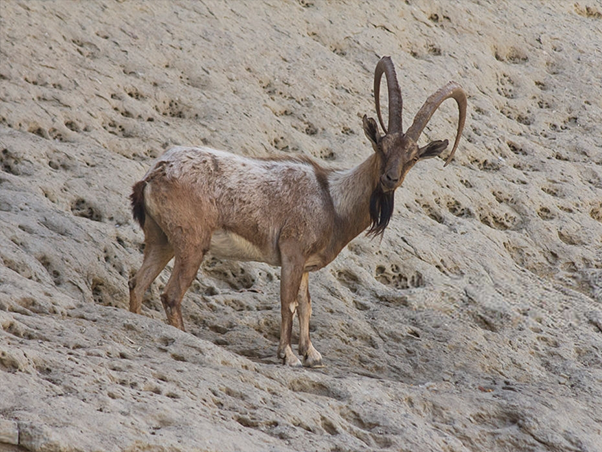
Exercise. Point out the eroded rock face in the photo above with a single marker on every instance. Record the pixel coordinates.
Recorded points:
(475, 324)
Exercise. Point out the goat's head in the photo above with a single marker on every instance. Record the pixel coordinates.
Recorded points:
(398, 152)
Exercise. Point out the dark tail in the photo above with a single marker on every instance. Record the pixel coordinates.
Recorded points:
(137, 198)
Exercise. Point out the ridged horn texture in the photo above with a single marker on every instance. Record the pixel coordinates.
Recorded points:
(385, 65)
(451, 90)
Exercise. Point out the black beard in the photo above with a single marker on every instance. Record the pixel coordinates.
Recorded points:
(381, 210)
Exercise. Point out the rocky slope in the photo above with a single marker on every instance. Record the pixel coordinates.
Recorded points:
(475, 324)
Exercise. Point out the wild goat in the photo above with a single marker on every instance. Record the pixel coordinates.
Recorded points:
(287, 211)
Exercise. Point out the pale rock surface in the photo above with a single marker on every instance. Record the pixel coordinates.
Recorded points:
(474, 325)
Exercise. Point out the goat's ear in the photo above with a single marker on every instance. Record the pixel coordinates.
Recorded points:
(432, 149)
(371, 131)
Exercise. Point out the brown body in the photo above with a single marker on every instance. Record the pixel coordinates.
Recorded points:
(288, 212)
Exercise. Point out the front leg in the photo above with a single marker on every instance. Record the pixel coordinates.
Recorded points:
(290, 280)
(311, 357)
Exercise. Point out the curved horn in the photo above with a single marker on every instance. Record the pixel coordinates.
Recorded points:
(395, 100)
(453, 90)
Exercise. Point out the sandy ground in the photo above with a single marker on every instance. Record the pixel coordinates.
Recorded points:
(474, 325)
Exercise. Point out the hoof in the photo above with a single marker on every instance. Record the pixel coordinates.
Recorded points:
(296, 362)
(289, 358)
(313, 359)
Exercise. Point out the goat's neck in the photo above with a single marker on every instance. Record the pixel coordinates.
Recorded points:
(350, 191)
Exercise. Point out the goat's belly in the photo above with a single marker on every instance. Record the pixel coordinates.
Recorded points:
(227, 245)
(316, 262)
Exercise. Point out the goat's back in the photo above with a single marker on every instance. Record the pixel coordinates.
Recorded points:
(258, 199)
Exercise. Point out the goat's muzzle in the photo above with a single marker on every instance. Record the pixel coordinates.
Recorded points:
(388, 182)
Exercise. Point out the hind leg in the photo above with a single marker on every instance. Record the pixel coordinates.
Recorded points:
(157, 253)
(186, 265)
